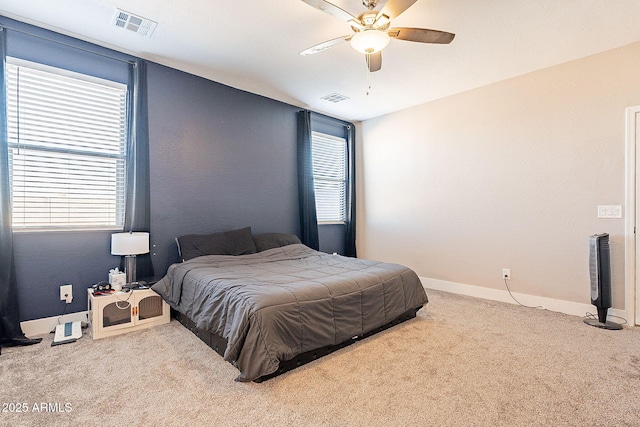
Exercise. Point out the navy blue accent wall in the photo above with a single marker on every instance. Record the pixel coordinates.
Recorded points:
(331, 238)
(44, 261)
(220, 159)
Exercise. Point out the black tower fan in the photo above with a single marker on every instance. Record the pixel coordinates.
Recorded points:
(600, 275)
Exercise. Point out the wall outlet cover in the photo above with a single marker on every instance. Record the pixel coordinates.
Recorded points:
(66, 293)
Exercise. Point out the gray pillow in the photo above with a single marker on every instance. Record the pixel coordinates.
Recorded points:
(274, 240)
(234, 242)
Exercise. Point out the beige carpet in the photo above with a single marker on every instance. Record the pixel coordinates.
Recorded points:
(461, 362)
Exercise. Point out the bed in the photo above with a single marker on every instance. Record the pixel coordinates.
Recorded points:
(268, 303)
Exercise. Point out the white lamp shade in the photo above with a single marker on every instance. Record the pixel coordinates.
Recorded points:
(370, 41)
(129, 243)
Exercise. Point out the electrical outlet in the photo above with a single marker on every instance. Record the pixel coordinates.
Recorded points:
(66, 293)
(506, 273)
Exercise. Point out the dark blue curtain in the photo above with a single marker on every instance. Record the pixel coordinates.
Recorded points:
(350, 226)
(137, 216)
(10, 330)
(306, 194)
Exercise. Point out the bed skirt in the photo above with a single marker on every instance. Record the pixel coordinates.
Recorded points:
(219, 344)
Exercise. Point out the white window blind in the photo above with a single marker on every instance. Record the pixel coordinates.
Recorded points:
(329, 175)
(67, 137)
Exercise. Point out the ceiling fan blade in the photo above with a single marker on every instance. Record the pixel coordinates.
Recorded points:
(325, 45)
(331, 9)
(394, 8)
(421, 35)
(374, 61)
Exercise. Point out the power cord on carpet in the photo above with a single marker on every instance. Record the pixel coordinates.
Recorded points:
(595, 317)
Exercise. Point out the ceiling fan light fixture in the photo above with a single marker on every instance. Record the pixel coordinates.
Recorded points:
(370, 41)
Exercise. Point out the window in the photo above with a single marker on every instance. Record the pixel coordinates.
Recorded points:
(67, 138)
(330, 177)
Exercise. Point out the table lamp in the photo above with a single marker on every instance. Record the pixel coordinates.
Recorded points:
(130, 244)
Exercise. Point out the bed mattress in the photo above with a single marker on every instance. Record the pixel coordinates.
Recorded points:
(273, 305)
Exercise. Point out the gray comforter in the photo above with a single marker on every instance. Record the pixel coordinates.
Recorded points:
(282, 302)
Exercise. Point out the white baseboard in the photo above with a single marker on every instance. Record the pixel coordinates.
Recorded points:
(561, 306)
(48, 324)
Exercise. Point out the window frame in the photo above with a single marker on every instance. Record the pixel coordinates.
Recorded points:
(344, 180)
(120, 158)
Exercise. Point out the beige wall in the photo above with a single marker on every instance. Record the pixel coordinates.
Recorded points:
(505, 176)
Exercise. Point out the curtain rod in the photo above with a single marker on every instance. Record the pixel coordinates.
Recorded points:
(126, 61)
(330, 120)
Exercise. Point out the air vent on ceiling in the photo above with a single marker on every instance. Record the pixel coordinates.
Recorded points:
(137, 24)
(335, 98)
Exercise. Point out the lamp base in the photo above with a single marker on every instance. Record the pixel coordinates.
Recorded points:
(130, 269)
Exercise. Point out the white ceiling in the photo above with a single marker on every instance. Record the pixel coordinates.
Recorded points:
(253, 45)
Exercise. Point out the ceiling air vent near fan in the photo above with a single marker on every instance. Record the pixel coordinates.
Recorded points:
(137, 24)
(335, 98)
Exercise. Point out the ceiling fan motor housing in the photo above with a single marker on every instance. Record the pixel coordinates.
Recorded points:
(370, 4)
(368, 18)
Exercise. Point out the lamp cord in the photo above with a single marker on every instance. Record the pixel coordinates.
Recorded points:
(118, 301)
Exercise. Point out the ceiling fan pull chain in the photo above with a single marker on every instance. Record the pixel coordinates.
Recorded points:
(368, 73)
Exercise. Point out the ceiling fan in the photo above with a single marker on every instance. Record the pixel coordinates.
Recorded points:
(371, 29)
